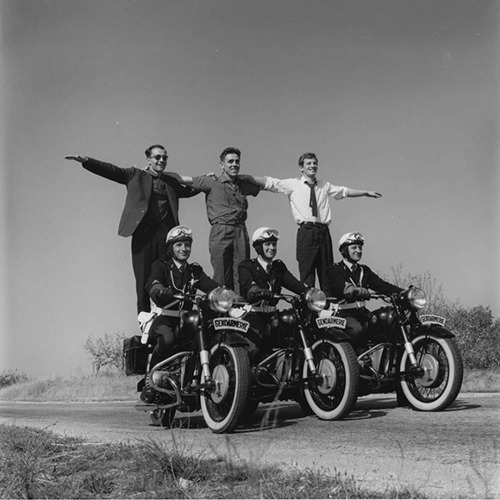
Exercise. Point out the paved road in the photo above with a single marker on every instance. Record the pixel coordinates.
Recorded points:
(445, 454)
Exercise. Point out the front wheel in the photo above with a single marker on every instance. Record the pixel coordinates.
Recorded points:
(224, 406)
(334, 392)
(443, 373)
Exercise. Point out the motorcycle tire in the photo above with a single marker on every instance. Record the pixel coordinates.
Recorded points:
(163, 418)
(224, 406)
(442, 381)
(336, 392)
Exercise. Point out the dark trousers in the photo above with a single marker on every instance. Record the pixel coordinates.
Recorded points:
(228, 245)
(148, 245)
(164, 331)
(314, 252)
(357, 324)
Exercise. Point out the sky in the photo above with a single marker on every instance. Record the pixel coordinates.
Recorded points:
(396, 96)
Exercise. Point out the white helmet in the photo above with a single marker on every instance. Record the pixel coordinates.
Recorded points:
(265, 234)
(179, 233)
(351, 239)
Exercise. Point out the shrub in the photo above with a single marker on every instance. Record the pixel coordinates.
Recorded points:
(11, 377)
(106, 351)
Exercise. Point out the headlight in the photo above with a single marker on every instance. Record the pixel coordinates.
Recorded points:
(315, 299)
(416, 298)
(221, 299)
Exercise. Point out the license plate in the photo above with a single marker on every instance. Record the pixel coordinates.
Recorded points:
(332, 322)
(237, 325)
(432, 318)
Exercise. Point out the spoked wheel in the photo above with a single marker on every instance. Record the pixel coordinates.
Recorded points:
(223, 407)
(334, 393)
(443, 373)
(163, 418)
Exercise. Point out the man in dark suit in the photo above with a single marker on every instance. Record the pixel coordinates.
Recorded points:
(170, 276)
(151, 209)
(359, 279)
(260, 279)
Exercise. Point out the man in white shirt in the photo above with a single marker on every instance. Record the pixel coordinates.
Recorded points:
(310, 205)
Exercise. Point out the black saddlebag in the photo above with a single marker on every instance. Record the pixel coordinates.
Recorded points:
(135, 356)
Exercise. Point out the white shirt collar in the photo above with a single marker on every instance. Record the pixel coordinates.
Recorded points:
(262, 262)
(179, 264)
(349, 264)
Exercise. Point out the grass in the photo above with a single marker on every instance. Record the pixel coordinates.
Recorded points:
(115, 386)
(40, 464)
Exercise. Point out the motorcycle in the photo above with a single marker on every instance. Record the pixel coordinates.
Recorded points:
(210, 370)
(313, 364)
(412, 354)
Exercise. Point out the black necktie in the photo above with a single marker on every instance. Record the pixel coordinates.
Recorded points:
(312, 200)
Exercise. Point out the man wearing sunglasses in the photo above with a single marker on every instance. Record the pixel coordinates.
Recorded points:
(151, 209)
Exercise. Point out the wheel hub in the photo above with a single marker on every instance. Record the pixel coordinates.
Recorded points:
(430, 365)
(220, 377)
(328, 374)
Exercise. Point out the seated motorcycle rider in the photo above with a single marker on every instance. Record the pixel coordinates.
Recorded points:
(169, 277)
(358, 279)
(260, 279)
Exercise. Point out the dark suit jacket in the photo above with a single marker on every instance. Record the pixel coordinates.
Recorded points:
(252, 277)
(369, 279)
(193, 278)
(139, 187)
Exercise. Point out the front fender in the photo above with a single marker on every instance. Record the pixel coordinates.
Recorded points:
(336, 335)
(232, 339)
(435, 330)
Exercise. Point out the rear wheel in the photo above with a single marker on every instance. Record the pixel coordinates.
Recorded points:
(443, 373)
(334, 393)
(163, 418)
(224, 406)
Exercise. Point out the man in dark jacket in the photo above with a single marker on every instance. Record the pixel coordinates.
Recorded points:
(151, 209)
(359, 279)
(170, 276)
(260, 279)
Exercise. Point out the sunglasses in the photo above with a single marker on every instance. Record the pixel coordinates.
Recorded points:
(159, 157)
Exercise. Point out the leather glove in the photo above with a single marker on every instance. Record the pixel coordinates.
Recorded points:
(361, 293)
(357, 293)
(263, 294)
(164, 296)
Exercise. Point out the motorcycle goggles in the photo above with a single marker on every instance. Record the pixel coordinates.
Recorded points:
(267, 234)
(351, 239)
(179, 233)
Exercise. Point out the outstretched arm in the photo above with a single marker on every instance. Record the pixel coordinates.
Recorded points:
(258, 181)
(356, 193)
(186, 180)
(80, 159)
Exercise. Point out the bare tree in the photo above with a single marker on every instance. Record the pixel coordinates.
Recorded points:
(105, 351)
